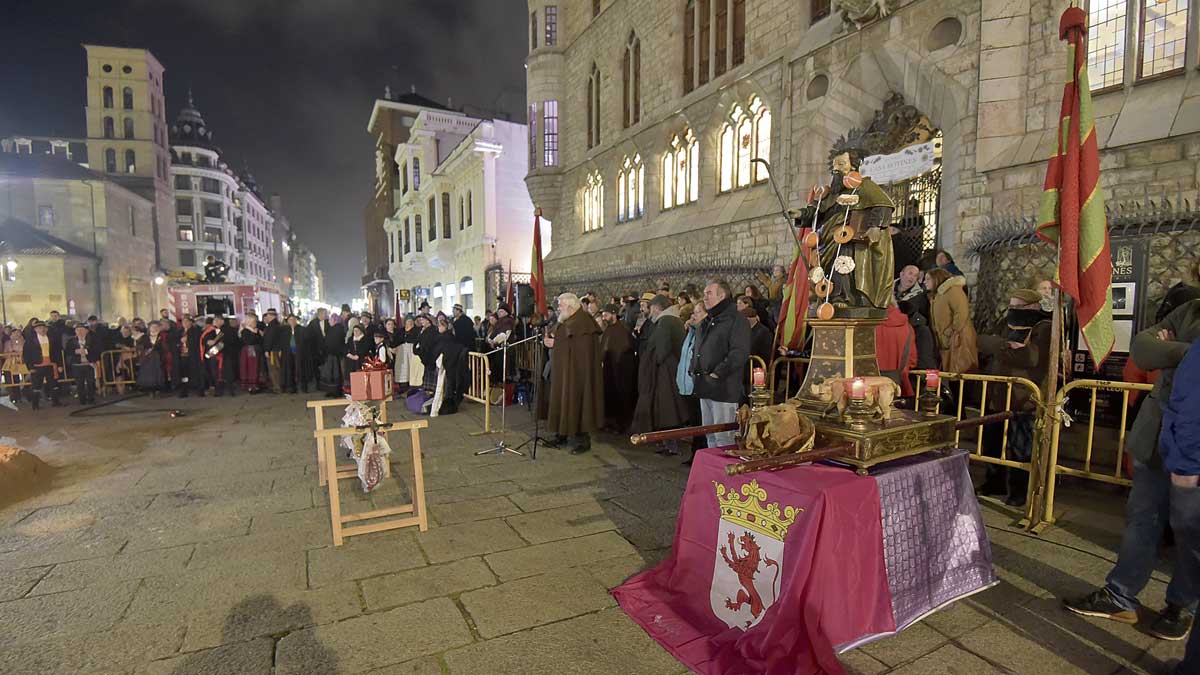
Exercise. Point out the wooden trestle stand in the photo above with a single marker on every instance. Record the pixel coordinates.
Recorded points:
(329, 472)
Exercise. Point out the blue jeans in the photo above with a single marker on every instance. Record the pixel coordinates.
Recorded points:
(718, 412)
(1153, 503)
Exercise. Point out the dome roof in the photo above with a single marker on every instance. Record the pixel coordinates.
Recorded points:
(189, 127)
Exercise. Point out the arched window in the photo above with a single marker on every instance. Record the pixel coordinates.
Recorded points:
(108, 97)
(631, 181)
(631, 77)
(593, 202)
(593, 107)
(466, 293)
(127, 98)
(681, 171)
(109, 131)
(417, 234)
(110, 160)
(130, 162)
(436, 297)
(745, 136)
(128, 127)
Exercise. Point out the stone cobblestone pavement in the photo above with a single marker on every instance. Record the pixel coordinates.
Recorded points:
(201, 544)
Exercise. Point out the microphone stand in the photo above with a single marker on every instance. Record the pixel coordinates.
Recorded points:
(536, 377)
(501, 446)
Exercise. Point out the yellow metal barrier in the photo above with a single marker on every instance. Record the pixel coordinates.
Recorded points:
(481, 384)
(772, 380)
(1055, 470)
(110, 365)
(7, 358)
(1035, 393)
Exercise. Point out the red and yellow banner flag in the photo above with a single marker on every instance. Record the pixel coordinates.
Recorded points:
(790, 330)
(537, 278)
(1072, 209)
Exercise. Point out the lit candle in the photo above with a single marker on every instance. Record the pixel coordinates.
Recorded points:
(858, 388)
(759, 377)
(932, 379)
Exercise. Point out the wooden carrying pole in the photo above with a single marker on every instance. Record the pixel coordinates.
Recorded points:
(684, 432)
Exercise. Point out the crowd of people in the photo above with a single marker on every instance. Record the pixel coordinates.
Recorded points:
(218, 355)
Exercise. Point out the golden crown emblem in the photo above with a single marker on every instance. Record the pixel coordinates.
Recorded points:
(751, 511)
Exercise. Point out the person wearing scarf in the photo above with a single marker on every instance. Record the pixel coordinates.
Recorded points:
(1023, 351)
(425, 350)
(357, 349)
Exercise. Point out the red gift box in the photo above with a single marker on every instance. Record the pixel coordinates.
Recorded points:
(370, 385)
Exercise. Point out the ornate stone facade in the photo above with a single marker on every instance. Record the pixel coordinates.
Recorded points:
(987, 74)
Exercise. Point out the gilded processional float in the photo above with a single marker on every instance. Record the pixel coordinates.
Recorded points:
(846, 268)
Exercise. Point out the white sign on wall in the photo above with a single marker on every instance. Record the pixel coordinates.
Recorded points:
(908, 163)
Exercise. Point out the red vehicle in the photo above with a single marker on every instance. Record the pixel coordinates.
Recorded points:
(227, 299)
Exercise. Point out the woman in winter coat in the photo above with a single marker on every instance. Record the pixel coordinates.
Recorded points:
(151, 350)
(952, 326)
(357, 349)
(250, 358)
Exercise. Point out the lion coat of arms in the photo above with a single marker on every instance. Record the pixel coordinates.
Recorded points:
(749, 560)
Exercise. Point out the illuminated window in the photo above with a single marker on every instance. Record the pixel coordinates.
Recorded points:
(631, 181)
(631, 79)
(1163, 37)
(550, 133)
(745, 136)
(593, 203)
(532, 135)
(551, 25)
(1106, 43)
(681, 171)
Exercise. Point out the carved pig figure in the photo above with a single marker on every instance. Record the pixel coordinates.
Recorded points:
(881, 391)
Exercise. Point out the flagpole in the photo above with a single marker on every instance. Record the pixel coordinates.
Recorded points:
(1040, 476)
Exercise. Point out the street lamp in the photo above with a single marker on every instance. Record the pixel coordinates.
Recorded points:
(159, 280)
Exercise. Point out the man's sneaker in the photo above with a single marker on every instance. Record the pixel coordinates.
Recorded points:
(1173, 624)
(1101, 604)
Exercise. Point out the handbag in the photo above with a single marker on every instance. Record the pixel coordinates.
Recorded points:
(415, 400)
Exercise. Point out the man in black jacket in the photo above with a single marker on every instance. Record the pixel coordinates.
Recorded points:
(44, 359)
(273, 349)
(318, 328)
(335, 351)
(83, 353)
(464, 329)
(719, 360)
(187, 366)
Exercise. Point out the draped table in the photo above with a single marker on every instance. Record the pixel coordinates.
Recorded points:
(778, 572)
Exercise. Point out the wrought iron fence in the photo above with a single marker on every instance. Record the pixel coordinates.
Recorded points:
(1010, 255)
(917, 201)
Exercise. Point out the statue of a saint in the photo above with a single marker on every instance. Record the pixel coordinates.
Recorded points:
(855, 242)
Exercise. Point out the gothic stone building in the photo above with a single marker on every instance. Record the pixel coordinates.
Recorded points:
(644, 117)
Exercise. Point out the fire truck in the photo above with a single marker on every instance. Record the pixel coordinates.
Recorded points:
(200, 299)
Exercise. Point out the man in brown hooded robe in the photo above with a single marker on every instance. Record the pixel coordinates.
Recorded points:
(620, 369)
(576, 400)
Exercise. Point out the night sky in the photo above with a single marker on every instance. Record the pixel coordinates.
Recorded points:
(286, 85)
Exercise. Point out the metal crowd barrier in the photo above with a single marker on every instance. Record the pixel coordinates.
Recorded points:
(481, 383)
(1114, 477)
(110, 363)
(792, 362)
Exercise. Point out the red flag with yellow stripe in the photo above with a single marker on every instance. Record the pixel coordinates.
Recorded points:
(789, 332)
(1072, 208)
(537, 278)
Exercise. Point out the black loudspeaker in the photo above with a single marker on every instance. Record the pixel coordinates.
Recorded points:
(524, 301)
